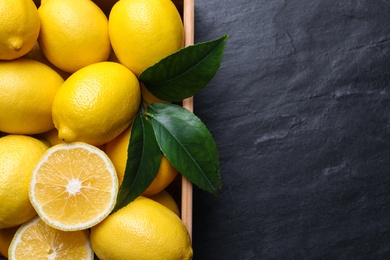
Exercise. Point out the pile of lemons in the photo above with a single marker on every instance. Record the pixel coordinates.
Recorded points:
(69, 92)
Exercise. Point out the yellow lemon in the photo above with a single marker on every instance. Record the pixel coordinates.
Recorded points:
(144, 229)
(6, 235)
(28, 88)
(37, 54)
(96, 103)
(36, 240)
(74, 33)
(19, 28)
(142, 32)
(73, 186)
(18, 156)
(166, 199)
(117, 151)
(51, 137)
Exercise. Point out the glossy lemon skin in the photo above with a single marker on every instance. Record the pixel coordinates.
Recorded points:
(19, 28)
(74, 33)
(96, 103)
(144, 229)
(142, 32)
(18, 157)
(28, 88)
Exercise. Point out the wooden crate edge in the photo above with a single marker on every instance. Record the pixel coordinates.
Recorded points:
(187, 192)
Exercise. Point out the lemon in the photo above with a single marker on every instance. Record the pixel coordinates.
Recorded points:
(19, 28)
(28, 88)
(166, 199)
(142, 32)
(74, 33)
(18, 156)
(117, 151)
(37, 54)
(144, 229)
(51, 137)
(6, 235)
(96, 103)
(36, 240)
(73, 186)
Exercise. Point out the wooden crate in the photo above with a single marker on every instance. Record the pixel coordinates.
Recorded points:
(186, 9)
(181, 188)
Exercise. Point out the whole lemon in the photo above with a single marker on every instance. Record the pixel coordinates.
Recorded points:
(37, 54)
(19, 28)
(74, 33)
(28, 88)
(166, 199)
(117, 151)
(96, 103)
(18, 156)
(142, 32)
(144, 229)
(51, 137)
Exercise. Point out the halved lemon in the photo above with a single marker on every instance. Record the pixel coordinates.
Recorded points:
(36, 240)
(74, 186)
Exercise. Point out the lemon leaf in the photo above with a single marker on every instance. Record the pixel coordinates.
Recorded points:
(143, 162)
(185, 72)
(187, 144)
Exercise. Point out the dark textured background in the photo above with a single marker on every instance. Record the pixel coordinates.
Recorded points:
(300, 111)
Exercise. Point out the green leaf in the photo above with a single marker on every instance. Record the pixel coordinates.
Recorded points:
(185, 72)
(187, 144)
(143, 162)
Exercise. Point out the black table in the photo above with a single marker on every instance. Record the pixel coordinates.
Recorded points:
(300, 111)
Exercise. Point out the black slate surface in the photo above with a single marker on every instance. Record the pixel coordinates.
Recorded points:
(300, 111)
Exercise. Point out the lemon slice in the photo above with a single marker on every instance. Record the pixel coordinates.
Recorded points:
(73, 186)
(36, 240)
